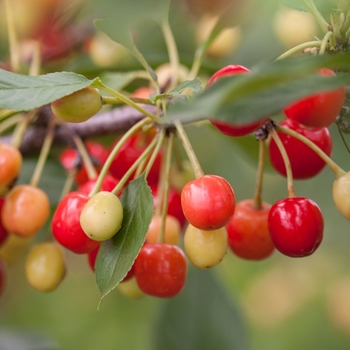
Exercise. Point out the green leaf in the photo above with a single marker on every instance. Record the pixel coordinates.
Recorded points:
(194, 85)
(119, 80)
(23, 93)
(117, 255)
(201, 317)
(265, 91)
(321, 5)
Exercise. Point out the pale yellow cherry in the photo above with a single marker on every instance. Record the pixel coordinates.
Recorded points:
(205, 249)
(130, 289)
(341, 194)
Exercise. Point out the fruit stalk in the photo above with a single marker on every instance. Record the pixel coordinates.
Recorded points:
(257, 201)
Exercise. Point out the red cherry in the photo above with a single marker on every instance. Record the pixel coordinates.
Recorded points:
(66, 224)
(248, 235)
(128, 154)
(3, 232)
(70, 158)
(296, 226)
(229, 128)
(174, 203)
(161, 269)
(318, 110)
(304, 161)
(208, 202)
(108, 184)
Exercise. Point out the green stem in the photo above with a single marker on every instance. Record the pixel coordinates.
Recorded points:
(257, 202)
(111, 100)
(156, 151)
(85, 156)
(8, 123)
(21, 128)
(181, 133)
(166, 184)
(114, 152)
(129, 102)
(68, 184)
(299, 48)
(140, 159)
(310, 6)
(35, 64)
(329, 36)
(286, 161)
(173, 52)
(44, 152)
(337, 170)
(7, 113)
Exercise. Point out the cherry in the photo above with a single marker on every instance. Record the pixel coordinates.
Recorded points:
(130, 288)
(318, 110)
(102, 216)
(128, 154)
(45, 267)
(172, 230)
(25, 210)
(78, 106)
(161, 269)
(174, 203)
(108, 184)
(296, 226)
(229, 128)
(10, 166)
(208, 202)
(66, 224)
(341, 194)
(248, 235)
(304, 161)
(3, 232)
(69, 158)
(205, 249)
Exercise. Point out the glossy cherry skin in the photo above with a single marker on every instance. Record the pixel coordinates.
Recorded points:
(296, 226)
(3, 232)
(161, 270)
(108, 184)
(129, 153)
(208, 202)
(304, 161)
(174, 203)
(248, 235)
(66, 224)
(318, 110)
(229, 128)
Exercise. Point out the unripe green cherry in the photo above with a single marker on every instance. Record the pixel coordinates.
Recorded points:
(102, 216)
(205, 249)
(78, 106)
(45, 267)
(341, 194)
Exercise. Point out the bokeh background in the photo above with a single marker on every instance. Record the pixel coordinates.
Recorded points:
(279, 303)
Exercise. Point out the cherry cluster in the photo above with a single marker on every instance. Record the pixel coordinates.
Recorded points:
(203, 206)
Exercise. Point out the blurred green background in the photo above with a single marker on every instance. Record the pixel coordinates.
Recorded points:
(277, 304)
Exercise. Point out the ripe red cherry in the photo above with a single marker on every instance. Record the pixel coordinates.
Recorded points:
(3, 232)
(208, 202)
(108, 184)
(229, 128)
(161, 269)
(318, 110)
(296, 226)
(70, 158)
(66, 224)
(304, 161)
(128, 154)
(248, 235)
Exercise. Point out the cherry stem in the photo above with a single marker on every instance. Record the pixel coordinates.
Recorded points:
(299, 48)
(257, 202)
(166, 185)
(85, 156)
(13, 40)
(44, 152)
(129, 102)
(329, 36)
(140, 159)
(68, 184)
(7, 113)
(173, 52)
(35, 63)
(276, 138)
(111, 100)
(337, 170)
(21, 128)
(8, 123)
(181, 133)
(310, 6)
(115, 150)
